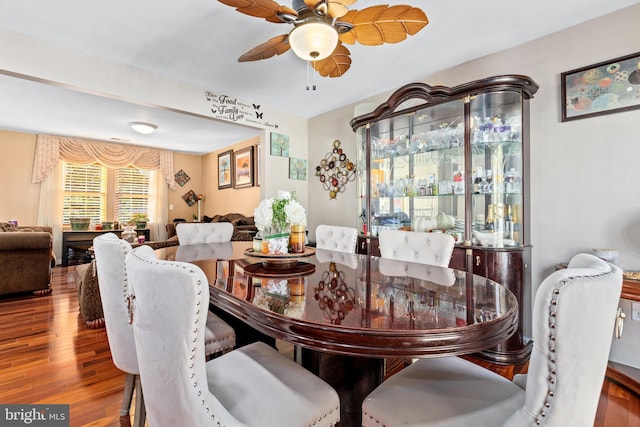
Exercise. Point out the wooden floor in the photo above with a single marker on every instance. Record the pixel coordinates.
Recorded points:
(48, 356)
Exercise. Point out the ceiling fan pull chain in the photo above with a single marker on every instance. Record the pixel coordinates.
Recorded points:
(314, 81)
(314, 77)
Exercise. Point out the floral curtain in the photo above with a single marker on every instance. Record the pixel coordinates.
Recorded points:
(50, 149)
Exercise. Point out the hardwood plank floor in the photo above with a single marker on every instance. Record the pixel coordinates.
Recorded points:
(48, 356)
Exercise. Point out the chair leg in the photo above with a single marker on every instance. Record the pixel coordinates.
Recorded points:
(129, 384)
(140, 411)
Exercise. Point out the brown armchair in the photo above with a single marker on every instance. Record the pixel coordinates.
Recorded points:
(26, 259)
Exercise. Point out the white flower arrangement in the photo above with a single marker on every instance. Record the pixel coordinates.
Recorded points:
(276, 215)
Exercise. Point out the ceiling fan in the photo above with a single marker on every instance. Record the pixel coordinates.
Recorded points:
(322, 27)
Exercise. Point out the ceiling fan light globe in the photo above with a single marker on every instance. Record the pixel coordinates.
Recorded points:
(313, 41)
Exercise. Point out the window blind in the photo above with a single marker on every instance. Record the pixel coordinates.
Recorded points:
(85, 192)
(132, 192)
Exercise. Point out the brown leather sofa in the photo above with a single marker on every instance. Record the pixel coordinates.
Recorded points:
(26, 259)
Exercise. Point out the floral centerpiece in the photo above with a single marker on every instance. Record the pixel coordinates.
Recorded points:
(274, 218)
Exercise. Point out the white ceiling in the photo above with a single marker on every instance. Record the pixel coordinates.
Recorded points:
(199, 41)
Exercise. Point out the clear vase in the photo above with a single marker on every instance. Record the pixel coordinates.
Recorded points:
(275, 241)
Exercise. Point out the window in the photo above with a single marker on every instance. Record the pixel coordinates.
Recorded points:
(102, 194)
(85, 191)
(132, 192)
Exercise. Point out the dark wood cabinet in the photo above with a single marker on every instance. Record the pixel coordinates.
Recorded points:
(455, 160)
(83, 240)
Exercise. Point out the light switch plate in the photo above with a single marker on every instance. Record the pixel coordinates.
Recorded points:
(635, 310)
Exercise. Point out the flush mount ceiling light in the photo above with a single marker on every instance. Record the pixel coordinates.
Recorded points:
(314, 40)
(143, 128)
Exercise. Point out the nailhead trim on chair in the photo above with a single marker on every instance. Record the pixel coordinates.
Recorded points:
(198, 389)
(551, 361)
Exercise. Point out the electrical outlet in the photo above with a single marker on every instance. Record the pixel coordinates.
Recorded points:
(171, 207)
(635, 310)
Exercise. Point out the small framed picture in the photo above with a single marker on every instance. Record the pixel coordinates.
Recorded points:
(243, 168)
(182, 178)
(225, 170)
(297, 168)
(279, 144)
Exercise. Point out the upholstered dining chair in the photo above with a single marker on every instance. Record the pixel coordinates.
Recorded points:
(336, 238)
(573, 319)
(110, 252)
(253, 385)
(204, 232)
(416, 246)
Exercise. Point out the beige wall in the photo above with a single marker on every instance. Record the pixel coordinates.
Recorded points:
(192, 165)
(18, 196)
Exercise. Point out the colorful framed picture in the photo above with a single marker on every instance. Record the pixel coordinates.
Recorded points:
(297, 168)
(225, 170)
(607, 87)
(190, 198)
(243, 168)
(279, 144)
(182, 178)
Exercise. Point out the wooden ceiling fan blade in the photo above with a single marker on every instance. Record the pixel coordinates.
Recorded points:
(380, 24)
(275, 46)
(336, 64)
(267, 9)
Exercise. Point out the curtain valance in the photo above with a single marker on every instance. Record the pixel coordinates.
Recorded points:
(50, 149)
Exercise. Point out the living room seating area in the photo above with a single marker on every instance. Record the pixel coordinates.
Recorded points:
(26, 259)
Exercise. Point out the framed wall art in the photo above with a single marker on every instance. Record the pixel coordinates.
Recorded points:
(297, 168)
(225, 170)
(279, 144)
(190, 198)
(182, 178)
(607, 87)
(243, 168)
(256, 176)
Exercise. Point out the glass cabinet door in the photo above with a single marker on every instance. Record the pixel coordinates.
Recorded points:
(497, 169)
(417, 171)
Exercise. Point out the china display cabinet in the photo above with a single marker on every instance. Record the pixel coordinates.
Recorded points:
(455, 160)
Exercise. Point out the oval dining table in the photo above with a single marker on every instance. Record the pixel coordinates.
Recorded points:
(347, 313)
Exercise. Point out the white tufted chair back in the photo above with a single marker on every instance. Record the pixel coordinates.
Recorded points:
(110, 253)
(416, 246)
(207, 232)
(573, 320)
(336, 238)
(250, 386)
(170, 311)
(219, 251)
(574, 314)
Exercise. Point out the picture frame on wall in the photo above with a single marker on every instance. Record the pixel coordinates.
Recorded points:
(258, 157)
(607, 87)
(225, 169)
(279, 144)
(297, 168)
(243, 168)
